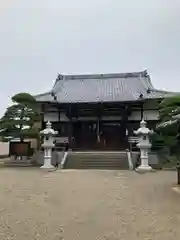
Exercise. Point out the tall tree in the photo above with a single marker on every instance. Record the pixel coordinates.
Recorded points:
(20, 118)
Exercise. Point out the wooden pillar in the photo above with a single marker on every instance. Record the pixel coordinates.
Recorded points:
(70, 134)
(59, 114)
(98, 127)
(125, 125)
(98, 133)
(42, 112)
(142, 110)
(70, 127)
(98, 112)
(124, 118)
(58, 126)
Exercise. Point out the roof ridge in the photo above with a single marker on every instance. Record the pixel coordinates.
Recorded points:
(101, 76)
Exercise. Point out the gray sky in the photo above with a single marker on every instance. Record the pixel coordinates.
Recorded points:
(39, 38)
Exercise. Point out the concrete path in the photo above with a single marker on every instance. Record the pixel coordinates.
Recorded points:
(88, 205)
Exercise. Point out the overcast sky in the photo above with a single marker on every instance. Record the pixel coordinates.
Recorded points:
(39, 38)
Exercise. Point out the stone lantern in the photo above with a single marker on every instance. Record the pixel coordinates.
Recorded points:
(48, 143)
(144, 145)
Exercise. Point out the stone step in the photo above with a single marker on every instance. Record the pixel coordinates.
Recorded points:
(12, 164)
(98, 157)
(97, 153)
(95, 160)
(100, 167)
(97, 165)
(100, 160)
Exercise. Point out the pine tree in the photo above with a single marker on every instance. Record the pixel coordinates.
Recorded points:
(169, 127)
(20, 118)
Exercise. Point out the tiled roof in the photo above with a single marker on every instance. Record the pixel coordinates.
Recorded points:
(44, 97)
(102, 88)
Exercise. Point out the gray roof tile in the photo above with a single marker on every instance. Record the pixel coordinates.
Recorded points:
(44, 97)
(102, 88)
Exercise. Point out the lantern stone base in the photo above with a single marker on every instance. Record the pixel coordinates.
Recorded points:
(47, 164)
(145, 168)
(47, 167)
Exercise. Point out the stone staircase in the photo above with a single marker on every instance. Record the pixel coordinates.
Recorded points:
(97, 160)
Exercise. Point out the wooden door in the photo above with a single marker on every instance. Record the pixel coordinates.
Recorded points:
(84, 134)
(112, 136)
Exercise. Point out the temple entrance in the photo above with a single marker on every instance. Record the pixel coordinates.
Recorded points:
(110, 136)
(113, 136)
(84, 134)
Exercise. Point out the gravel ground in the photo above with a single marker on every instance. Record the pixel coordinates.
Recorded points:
(88, 205)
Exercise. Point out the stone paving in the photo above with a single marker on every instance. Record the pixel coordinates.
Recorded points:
(88, 205)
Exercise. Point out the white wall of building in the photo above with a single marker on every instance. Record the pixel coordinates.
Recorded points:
(4, 148)
(151, 115)
(135, 116)
(54, 117)
(147, 115)
(51, 116)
